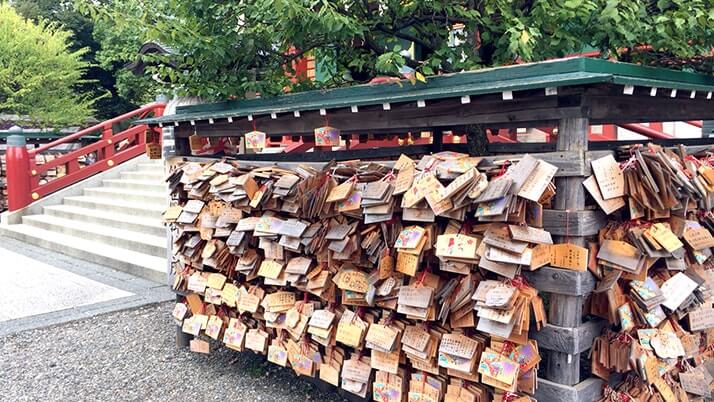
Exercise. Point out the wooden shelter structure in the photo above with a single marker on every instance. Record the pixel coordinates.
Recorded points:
(570, 94)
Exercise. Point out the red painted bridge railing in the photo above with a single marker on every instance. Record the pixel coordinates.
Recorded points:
(23, 173)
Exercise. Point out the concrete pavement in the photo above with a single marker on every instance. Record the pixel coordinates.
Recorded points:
(39, 288)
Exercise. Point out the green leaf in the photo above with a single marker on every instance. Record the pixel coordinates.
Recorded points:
(40, 74)
(572, 4)
(420, 77)
(231, 47)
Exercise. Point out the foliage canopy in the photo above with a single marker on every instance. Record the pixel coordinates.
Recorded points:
(224, 49)
(39, 74)
(115, 89)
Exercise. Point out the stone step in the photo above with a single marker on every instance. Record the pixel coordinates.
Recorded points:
(152, 226)
(153, 166)
(142, 185)
(136, 241)
(143, 175)
(132, 262)
(116, 205)
(144, 197)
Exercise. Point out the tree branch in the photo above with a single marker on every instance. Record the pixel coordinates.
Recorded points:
(405, 36)
(372, 45)
(440, 18)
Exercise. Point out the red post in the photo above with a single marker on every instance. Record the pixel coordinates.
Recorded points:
(159, 110)
(161, 101)
(107, 134)
(18, 171)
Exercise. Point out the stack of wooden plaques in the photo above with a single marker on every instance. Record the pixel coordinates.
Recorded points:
(654, 264)
(390, 281)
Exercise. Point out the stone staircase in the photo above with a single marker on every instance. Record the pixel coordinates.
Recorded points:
(117, 225)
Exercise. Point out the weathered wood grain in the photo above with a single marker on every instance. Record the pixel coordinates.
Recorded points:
(281, 163)
(562, 368)
(565, 310)
(585, 391)
(370, 119)
(573, 223)
(561, 281)
(593, 155)
(322, 156)
(568, 163)
(635, 109)
(572, 136)
(693, 145)
(568, 220)
(568, 339)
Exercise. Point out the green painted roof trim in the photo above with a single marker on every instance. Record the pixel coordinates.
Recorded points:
(565, 72)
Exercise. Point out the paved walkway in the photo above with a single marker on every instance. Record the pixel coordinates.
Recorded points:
(39, 287)
(74, 331)
(131, 355)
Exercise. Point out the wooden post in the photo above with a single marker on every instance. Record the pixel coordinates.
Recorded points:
(182, 147)
(72, 166)
(182, 339)
(437, 136)
(572, 136)
(567, 310)
(107, 134)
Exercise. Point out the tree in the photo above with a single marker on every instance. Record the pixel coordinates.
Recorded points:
(118, 46)
(39, 75)
(105, 78)
(224, 49)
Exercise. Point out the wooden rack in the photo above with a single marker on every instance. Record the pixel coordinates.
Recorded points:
(566, 336)
(586, 92)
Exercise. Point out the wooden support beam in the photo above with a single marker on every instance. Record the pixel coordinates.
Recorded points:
(586, 391)
(562, 281)
(445, 116)
(318, 156)
(598, 147)
(181, 146)
(568, 339)
(572, 136)
(297, 147)
(569, 163)
(573, 223)
(636, 109)
(437, 136)
(182, 339)
(566, 310)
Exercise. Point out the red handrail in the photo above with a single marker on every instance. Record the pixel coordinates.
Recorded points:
(140, 112)
(646, 131)
(23, 184)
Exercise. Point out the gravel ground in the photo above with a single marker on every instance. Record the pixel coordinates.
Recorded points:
(131, 355)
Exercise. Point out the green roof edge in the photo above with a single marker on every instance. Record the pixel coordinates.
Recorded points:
(562, 72)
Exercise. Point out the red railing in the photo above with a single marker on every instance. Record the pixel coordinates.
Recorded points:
(112, 149)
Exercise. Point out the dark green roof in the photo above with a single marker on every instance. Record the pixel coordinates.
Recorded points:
(556, 73)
